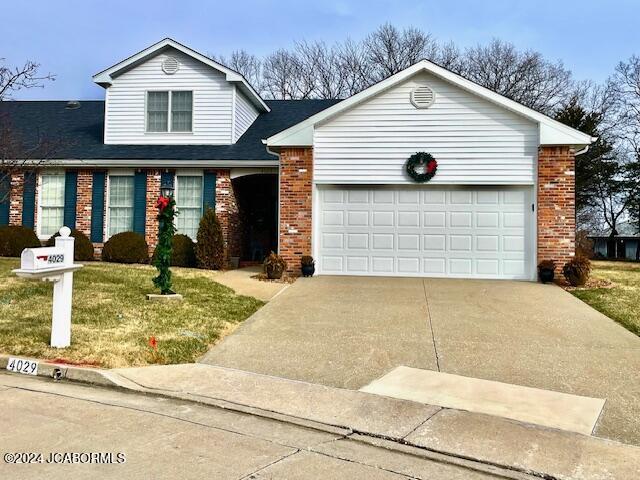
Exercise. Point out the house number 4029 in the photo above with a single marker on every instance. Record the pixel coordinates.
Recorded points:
(59, 258)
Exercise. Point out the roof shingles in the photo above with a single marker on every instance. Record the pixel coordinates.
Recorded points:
(79, 132)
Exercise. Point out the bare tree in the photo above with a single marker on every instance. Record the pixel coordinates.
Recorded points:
(17, 154)
(27, 75)
(525, 77)
(322, 64)
(389, 50)
(286, 76)
(246, 64)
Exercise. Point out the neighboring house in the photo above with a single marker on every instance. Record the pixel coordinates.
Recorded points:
(623, 245)
(316, 177)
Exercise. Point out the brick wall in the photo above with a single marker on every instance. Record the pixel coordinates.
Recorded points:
(15, 198)
(153, 192)
(228, 214)
(296, 180)
(83, 201)
(556, 204)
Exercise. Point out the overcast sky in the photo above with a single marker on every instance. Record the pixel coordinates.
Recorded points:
(76, 38)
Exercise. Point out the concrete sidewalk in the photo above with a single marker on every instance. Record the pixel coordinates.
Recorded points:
(241, 282)
(483, 438)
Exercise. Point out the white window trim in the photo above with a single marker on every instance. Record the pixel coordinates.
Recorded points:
(188, 173)
(119, 172)
(38, 219)
(169, 119)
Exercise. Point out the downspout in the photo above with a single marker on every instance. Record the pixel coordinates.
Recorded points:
(264, 141)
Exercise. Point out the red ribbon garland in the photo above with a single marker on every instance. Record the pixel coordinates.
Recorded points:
(163, 202)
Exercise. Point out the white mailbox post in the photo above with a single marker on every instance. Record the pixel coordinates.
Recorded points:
(54, 264)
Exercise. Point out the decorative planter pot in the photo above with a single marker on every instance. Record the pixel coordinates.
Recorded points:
(546, 275)
(308, 270)
(274, 272)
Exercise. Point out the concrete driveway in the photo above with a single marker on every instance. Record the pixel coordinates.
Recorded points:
(347, 331)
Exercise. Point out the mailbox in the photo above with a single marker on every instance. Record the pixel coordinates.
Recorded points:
(54, 264)
(45, 258)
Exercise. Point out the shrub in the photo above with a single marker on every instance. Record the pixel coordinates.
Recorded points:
(274, 266)
(126, 247)
(307, 260)
(210, 246)
(83, 248)
(547, 265)
(15, 238)
(584, 245)
(577, 270)
(184, 253)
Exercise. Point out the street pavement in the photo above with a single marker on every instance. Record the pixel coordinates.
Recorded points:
(64, 430)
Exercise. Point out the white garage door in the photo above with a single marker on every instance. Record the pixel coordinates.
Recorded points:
(424, 231)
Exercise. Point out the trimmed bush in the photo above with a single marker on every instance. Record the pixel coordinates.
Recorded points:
(210, 246)
(577, 270)
(83, 248)
(15, 238)
(126, 247)
(184, 252)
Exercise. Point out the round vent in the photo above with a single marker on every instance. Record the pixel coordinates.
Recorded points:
(422, 97)
(170, 65)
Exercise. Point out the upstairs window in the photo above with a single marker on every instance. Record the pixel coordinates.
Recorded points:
(169, 111)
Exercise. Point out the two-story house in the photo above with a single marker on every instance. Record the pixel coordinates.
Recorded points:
(318, 177)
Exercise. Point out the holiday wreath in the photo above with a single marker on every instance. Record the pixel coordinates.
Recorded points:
(421, 166)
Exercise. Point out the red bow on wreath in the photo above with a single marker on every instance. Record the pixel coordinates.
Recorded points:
(431, 166)
(163, 202)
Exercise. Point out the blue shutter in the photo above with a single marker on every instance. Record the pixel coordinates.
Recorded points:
(140, 202)
(5, 198)
(29, 199)
(70, 194)
(97, 207)
(209, 191)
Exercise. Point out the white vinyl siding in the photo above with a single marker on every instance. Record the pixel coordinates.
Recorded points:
(211, 103)
(51, 204)
(245, 115)
(473, 140)
(120, 204)
(188, 196)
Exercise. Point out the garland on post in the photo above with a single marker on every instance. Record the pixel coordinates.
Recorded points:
(428, 166)
(164, 249)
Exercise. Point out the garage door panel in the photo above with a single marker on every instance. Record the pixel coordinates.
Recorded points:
(422, 231)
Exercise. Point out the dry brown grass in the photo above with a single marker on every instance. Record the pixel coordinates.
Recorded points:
(112, 320)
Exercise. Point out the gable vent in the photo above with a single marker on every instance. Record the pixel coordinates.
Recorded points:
(170, 65)
(422, 97)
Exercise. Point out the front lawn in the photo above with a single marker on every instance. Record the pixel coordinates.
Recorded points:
(622, 301)
(112, 322)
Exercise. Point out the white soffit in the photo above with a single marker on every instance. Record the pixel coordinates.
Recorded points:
(552, 132)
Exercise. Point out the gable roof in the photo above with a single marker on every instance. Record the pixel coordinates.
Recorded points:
(79, 134)
(105, 77)
(552, 132)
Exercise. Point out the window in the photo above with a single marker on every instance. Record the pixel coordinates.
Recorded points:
(181, 106)
(179, 103)
(189, 204)
(51, 204)
(120, 204)
(157, 108)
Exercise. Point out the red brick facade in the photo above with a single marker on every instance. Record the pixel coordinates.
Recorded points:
(15, 198)
(228, 214)
(151, 225)
(296, 187)
(556, 204)
(83, 201)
